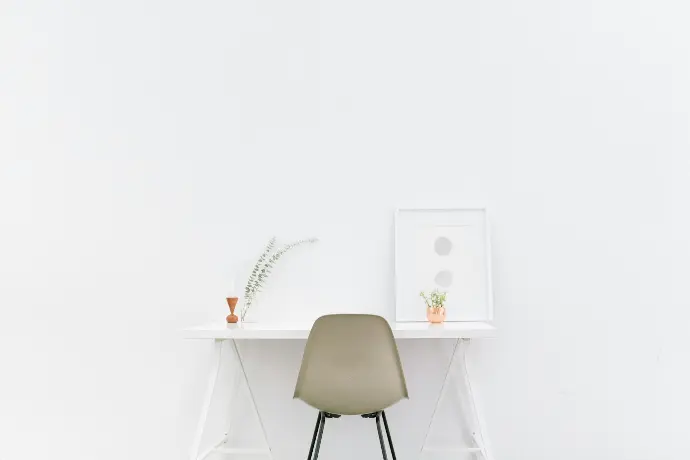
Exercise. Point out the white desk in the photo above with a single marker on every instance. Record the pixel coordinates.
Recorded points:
(224, 331)
(457, 371)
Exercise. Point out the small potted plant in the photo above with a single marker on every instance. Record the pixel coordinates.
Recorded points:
(435, 306)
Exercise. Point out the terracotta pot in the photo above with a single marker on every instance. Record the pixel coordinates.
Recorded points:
(232, 303)
(436, 315)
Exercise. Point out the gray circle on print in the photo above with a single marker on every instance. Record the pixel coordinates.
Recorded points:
(444, 278)
(443, 246)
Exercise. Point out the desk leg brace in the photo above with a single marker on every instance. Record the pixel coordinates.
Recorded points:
(475, 419)
(221, 445)
(267, 450)
(239, 374)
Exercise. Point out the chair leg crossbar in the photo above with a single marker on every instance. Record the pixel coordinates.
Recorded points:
(321, 422)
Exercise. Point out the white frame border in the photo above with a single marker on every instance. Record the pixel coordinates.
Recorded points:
(487, 235)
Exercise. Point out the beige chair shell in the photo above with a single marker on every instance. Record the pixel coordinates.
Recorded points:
(351, 366)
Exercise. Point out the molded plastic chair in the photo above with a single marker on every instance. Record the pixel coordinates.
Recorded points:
(350, 366)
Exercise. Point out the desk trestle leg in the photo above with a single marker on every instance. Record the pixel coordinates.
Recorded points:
(208, 397)
(457, 372)
(239, 376)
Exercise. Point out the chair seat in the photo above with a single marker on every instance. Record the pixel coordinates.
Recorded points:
(351, 403)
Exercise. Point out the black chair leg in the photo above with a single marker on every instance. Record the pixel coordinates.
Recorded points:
(378, 427)
(318, 437)
(388, 434)
(313, 438)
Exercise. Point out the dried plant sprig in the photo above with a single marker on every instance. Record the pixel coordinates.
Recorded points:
(257, 267)
(266, 270)
(263, 268)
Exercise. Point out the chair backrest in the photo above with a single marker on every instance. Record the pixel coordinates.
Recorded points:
(351, 366)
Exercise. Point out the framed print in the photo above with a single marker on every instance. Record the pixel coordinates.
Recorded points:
(448, 250)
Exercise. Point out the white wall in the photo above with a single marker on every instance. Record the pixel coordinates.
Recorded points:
(149, 146)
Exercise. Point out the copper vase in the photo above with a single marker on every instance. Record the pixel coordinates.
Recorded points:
(232, 303)
(436, 315)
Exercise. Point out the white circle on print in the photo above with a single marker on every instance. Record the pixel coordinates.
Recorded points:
(444, 278)
(443, 246)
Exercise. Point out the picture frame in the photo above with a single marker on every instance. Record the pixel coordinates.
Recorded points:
(445, 248)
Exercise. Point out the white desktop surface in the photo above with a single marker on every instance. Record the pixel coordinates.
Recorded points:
(411, 330)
